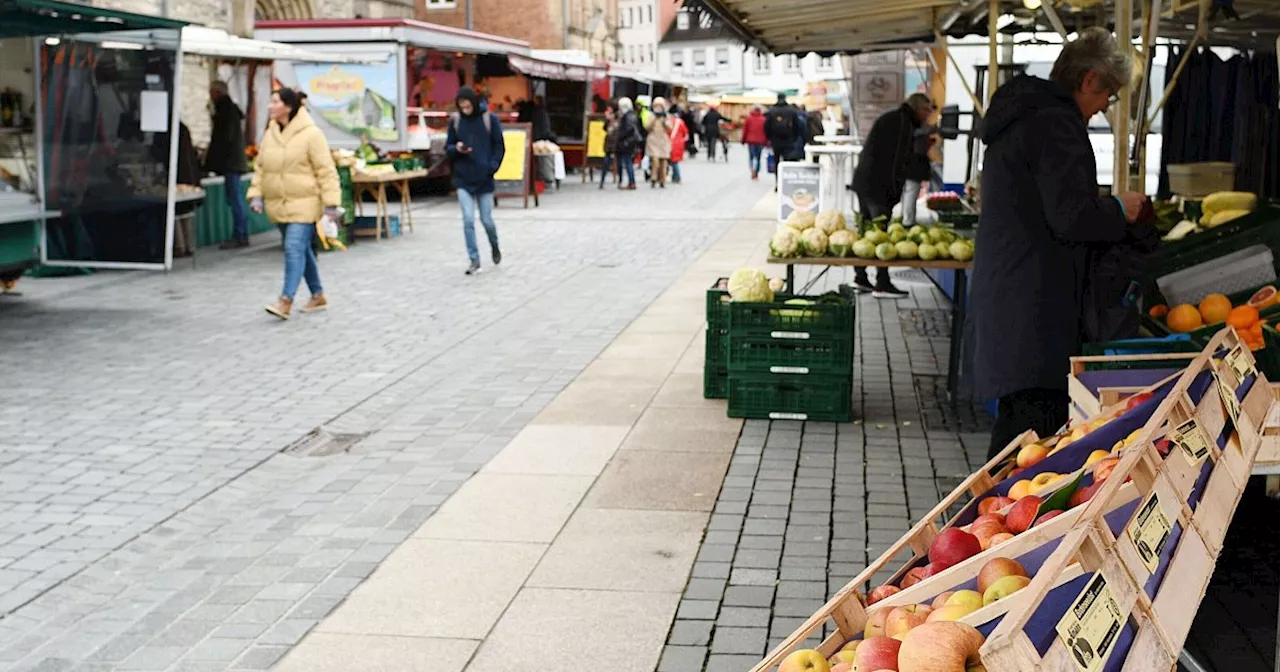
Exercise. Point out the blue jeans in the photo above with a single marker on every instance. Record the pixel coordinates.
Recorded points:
(625, 162)
(239, 213)
(606, 168)
(754, 152)
(468, 203)
(299, 259)
(675, 172)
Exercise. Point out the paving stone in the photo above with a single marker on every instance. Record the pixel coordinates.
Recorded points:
(682, 658)
(744, 617)
(691, 633)
(739, 640)
(748, 596)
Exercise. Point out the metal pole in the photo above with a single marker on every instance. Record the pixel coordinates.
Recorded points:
(1120, 117)
(964, 81)
(993, 46)
(1151, 12)
(1054, 20)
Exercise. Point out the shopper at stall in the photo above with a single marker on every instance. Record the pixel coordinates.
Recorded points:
(679, 141)
(690, 118)
(225, 156)
(882, 174)
(1041, 221)
(629, 140)
(657, 143)
(475, 148)
(754, 137)
(610, 146)
(785, 129)
(296, 183)
(919, 170)
(711, 131)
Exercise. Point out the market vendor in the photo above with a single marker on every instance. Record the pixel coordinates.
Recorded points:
(1041, 221)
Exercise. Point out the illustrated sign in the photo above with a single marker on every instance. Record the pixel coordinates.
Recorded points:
(1191, 442)
(799, 186)
(353, 99)
(1240, 363)
(1229, 398)
(878, 84)
(1150, 531)
(1092, 625)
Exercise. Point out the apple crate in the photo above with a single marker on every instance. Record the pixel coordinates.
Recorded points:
(1133, 606)
(1096, 382)
(1269, 452)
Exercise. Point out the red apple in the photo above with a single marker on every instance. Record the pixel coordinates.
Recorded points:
(1102, 470)
(989, 518)
(993, 504)
(1047, 517)
(1136, 400)
(1082, 495)
(877, 653)
(986, 531)
(999, 539)
(996, 569)
(875, 624)
(842, 667)
(904, 618)
(804, 660)
(940, 646)
(1031, 455)
(951, 547)
(1023, 514)
(915, 575)
(1164, 446)
(881, 592)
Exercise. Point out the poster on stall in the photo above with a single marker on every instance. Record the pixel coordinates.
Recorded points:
(512, 178)
(595, 136)
(353, 99)
(799, 186)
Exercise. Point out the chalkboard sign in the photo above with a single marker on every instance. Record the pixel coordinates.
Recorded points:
(799, 186)
(514, 176)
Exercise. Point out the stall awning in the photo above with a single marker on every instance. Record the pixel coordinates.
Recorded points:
(221, 44)
(407, 31)
(549, 66)
(23, 18)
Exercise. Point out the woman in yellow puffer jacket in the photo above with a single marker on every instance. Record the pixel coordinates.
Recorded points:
(295, 180)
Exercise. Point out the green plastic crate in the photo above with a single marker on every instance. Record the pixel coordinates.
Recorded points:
(1262, 226)
(1136, 347)
(763, 353)
(785, 397)
(715, 383)
(825, 318)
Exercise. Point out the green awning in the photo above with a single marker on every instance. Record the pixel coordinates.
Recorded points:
(23, 18)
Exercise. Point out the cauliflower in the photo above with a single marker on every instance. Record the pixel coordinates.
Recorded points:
(785, 243)
(750, 285)
(829, 221)
(813, 242)
(800, 219)
(841, 242)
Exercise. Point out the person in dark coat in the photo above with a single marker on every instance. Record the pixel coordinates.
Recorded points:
(1042, 221)
(630, 139)
(881, 174)
(786, 129)
(711, 131)
(475, 148)
(225, 156)
(691, 122)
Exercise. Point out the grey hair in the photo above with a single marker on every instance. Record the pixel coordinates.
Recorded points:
(219, 86)
(624, 104)
(1093, 49)
(919, 101)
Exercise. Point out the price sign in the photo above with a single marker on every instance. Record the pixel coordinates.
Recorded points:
(1191, 442)
(1229, 399)
(1149, 531)
(1240, 363)
(1092, 625)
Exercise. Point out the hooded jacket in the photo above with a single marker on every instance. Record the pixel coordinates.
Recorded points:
(1042, 222)
(226, 140)
(882, 169)
(474, 170)
(294, 173)
(753, 129)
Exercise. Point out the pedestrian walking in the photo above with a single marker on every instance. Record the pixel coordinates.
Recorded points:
(610, 146)
(629, 140)
(657, 144)
(679, 142)
(711, 131)
(475, 148)
(690, 118)
(753, 136)
(225, 156)
(1042, 221)
(295, 183)
(785, 130)
(881, 176)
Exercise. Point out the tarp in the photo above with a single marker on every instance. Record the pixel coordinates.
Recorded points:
(23, 18)
(221, 44)
(552, 68)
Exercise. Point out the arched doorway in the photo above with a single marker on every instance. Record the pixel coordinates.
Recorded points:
(282, 10)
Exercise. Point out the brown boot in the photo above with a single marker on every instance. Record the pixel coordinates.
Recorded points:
(281, 307)
(317, 302)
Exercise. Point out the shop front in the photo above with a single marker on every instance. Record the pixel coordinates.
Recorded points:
(560, 86)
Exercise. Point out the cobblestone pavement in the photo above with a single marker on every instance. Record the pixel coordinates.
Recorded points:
(807, 505)
(148, 519)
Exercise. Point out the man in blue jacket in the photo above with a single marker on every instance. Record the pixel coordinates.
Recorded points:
(475, 150)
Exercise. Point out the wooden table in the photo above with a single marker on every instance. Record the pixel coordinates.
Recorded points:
(958, 304)
(375, 184)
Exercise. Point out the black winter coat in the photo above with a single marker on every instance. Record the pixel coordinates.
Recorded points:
(226, 140)
(1042, 222)
(474, 170)
(883, 168)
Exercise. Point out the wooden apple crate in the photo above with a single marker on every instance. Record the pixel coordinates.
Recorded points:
(1099, 381)
(1152, 605)
(1268, 460)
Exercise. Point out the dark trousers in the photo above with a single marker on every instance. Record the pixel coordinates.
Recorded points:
(1038, 409)
(870, 210)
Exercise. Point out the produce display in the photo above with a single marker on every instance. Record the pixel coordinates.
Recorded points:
(945, 201)
(1217, 309)
(805, 234)
(1215, 210)
(921, 643)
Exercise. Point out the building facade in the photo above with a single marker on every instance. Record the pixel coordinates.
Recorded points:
(590, 26)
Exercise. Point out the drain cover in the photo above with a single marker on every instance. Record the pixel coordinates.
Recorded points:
(320, 442)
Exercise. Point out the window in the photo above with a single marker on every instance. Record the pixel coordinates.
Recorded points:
(764, 63)
(631, 19)
(825, 64)
(631, 53)
(651, 58)
(441, 4)
(677, 60)
(722, 58)
(649, 11)
(699, 59)
(791, 63)
(682, 21)
(704, 20)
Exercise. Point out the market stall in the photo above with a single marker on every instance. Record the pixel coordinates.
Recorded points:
(560, 84)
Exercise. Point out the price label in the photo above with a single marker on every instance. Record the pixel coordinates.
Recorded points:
(1092, 625)
(1191, 442)
(1229, 399)
(1240, 363)
(789, 369)
(1149, 531)
(792, 335)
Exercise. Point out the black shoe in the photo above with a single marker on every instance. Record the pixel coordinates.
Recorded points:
(497, 256)
(863, 285)
(474, 268)
(234, 244)
(888, 291)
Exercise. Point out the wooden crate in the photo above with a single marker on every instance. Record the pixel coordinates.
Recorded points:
(1186, 506)
(1268, 459)
(1088, 403)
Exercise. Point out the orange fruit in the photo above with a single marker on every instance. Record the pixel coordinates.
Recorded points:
(1214, 308)
(1184, 318)
(1242, 317)
(1265, 297)
(1158, 311)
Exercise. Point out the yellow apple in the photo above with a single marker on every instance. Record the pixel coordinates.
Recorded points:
(1095, 456)
(1004, 588)
(1020, 489)
(851, 646)
(971, 598)
(1041, 480)
(842, 656)
(805, 660)
(953, 612)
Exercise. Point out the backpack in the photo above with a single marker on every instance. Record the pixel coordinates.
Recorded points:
(455, 118)
(783, 127)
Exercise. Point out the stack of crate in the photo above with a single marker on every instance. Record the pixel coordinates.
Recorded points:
(715, 367)
(788, 361)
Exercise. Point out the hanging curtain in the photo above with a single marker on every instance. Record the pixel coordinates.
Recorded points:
(1224, 110)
